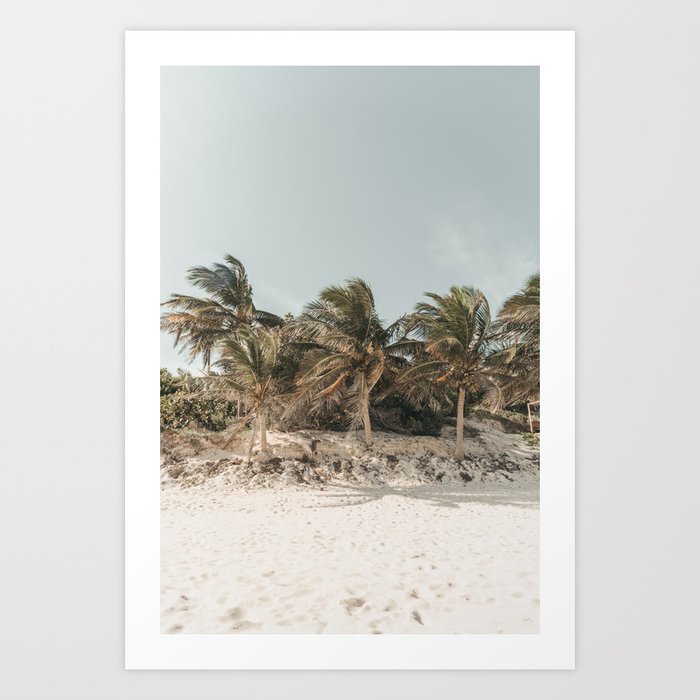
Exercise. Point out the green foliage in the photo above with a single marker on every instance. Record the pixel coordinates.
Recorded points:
(399, 415)
(348, 350)
(515, 355)
(179, 410)
(199, 324)
(532, 439)
(287, 367)
(246, 362)
(452, 332)
(168, 383)
(337, 365)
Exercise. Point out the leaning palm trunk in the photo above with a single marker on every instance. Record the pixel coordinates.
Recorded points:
(363, 390)
(366, 421)
(459, 447)
(252, 441)
(367, 424)
(263, 431)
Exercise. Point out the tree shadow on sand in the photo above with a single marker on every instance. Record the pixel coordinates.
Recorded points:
(441, 497)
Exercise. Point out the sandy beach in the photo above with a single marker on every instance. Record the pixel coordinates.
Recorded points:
(397, 540)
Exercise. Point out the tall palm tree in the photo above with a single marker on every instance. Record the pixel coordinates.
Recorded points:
(519, 318)
(348, 351)
(198, 324)
(453, 334)
(246, 364)
(516, 343)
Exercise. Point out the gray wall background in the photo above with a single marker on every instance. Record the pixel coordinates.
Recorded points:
(61, 406)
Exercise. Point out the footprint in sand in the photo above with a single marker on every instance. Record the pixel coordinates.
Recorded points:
(351, 605)
(245, 625)
(233, 614)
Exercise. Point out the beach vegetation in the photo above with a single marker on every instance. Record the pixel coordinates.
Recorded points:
(337, 365)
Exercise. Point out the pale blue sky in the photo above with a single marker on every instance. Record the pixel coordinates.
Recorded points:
(414, 179)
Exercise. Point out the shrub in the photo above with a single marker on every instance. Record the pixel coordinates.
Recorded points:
(180, 410)
(168, 383)
(397, 415)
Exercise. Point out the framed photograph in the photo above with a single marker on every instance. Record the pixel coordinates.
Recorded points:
(360, 454)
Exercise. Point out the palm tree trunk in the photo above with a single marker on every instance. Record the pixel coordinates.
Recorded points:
(366, 421)
(263, 431)
(252, 441)
(364, 407)
(459, 448)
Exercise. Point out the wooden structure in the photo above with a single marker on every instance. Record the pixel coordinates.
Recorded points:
(533, 416)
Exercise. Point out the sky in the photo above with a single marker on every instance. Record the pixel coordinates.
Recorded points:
(412, 178)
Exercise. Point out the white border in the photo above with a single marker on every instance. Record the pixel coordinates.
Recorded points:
(146, 52)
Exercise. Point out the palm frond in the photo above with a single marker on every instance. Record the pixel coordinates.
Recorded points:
(199, 324)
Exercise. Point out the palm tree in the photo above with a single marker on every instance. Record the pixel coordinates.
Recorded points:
(198, 324)
(453, 339)
(348, 351)
(519, 318)
(516, 341)
(246, 363)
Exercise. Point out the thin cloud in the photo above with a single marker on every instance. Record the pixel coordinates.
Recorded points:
(272, 299)
(471, 256)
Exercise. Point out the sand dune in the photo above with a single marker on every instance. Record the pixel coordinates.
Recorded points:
(339, 557)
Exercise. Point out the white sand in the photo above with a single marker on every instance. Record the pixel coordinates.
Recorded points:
(353, 558)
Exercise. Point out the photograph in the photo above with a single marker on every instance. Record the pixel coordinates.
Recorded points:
(332, 405)
(349, 350)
